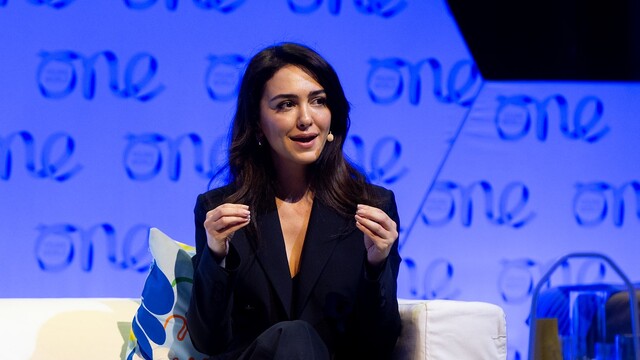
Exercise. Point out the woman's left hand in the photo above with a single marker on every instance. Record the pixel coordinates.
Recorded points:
(380, 232)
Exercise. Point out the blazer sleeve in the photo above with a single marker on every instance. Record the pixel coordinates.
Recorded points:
(378, 318)
(209, 313)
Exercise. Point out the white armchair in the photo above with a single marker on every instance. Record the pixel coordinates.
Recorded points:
(93, 328)
(448, 330)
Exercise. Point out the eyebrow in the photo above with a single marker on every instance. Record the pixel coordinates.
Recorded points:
(293, 96)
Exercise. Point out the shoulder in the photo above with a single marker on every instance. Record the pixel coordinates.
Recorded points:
(381, 194)
(385, 199)
(212, 198)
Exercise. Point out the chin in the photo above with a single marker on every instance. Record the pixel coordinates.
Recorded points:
(307, 160)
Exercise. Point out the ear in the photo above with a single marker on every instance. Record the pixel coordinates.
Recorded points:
(258, 128)
(259, 134)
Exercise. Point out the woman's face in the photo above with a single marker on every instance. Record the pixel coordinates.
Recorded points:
(294, 117)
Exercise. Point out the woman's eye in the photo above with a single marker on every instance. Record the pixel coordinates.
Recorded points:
(285, 105)
(320, 101)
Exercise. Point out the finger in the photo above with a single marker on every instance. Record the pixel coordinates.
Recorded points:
(223, 216)
(377, 248)
(373, 238)
(371, 228)
(226, 215)
(225, 223)
(376, 224)
(376, 215)
(227, 209)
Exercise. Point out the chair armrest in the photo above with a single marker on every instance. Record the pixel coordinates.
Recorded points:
(66, 328)
(449, 329)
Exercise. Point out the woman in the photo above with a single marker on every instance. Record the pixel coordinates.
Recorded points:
(297, 256)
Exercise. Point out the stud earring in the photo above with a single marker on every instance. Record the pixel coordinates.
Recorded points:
(330, 137)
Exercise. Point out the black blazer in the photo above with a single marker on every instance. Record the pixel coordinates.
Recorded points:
(354, 308)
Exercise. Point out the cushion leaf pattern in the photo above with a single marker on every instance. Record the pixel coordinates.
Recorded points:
(159, 328)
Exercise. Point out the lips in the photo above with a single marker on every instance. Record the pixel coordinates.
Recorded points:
(303, 138)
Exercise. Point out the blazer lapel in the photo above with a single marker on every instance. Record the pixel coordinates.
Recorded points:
(273, 257)
(325, 229)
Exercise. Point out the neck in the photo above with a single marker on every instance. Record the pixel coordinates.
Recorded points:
(293, 184)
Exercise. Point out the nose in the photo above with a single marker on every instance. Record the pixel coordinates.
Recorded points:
(304, 117)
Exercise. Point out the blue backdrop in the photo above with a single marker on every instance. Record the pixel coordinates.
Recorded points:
(114, 115)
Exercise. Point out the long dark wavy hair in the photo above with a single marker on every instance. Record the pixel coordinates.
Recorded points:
(334, 181)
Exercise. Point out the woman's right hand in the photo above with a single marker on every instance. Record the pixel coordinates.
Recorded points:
(220, 224)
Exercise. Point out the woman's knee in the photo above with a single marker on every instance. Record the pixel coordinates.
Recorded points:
(294, 339)
(295, 326)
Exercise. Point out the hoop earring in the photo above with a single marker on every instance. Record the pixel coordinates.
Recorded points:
(330, 137)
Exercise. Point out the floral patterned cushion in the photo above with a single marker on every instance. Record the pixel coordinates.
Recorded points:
(159, 328)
